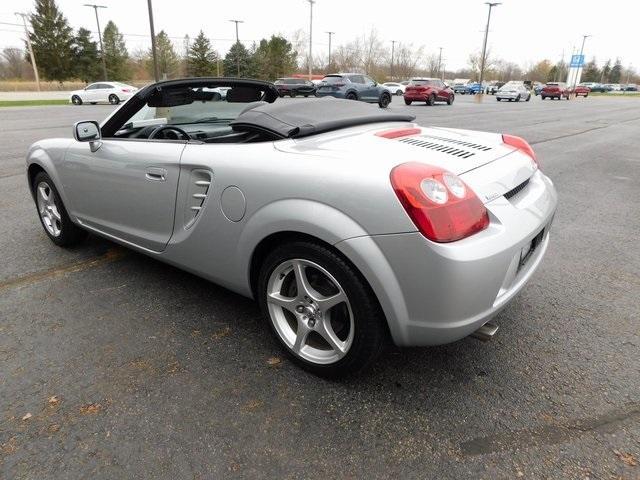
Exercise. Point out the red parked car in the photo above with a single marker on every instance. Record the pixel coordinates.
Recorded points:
(582, 91)
(555, 90)
(429, 90)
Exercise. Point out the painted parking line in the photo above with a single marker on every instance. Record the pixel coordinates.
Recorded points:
(111, 255)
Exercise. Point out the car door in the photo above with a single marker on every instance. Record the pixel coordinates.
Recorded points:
(371, 90)
(441, 93)
(125, 189)
(90, 93)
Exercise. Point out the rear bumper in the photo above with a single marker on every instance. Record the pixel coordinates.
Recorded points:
(438, 293)
(337, 94)
(508, 95)
(415, 97)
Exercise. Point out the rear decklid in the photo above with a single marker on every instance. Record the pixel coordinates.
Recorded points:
(489, 167)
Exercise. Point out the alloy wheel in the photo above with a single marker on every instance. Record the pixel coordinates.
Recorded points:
(310, 311)
(49, 213)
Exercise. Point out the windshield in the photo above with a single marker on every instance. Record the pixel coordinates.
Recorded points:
(418, 82)
(333, 79)
(210, 107)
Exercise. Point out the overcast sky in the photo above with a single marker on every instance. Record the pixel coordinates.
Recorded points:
(521, 31)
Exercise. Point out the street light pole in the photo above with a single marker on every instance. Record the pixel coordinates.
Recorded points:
(156, 72)
(393, 48)
(329, 64)
(310, 59)
(581, 67)
(484, 44)
(104, 61)
(31, 55)
(237, 41)
(440, 64)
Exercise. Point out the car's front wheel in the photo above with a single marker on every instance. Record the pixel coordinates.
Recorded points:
(351, 96)
(320, 309)
(450, 99)
(385, 100)
(53, 215)
(518, 98)
(76, 100)
(399, 92)
(431, 100)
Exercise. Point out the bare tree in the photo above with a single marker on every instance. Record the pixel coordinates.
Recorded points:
(14, 65)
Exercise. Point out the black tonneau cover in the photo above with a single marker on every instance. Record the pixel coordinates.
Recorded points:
(309, 117)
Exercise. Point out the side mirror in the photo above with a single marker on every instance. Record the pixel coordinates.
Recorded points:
(88, 131)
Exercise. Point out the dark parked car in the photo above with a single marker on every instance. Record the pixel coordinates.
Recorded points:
(631, 88)
(429, 90)
(295, 86)
(354, 86)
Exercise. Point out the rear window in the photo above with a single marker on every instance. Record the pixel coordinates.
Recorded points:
(419, 83)
(333, 79)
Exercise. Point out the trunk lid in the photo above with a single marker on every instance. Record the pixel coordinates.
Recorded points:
(468, 154)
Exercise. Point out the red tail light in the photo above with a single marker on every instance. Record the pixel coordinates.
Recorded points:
(522, 145)
(438, 202)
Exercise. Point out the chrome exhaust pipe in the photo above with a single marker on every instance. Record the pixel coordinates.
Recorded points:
(485, 332)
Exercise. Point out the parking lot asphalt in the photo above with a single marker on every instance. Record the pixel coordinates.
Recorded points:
(114, 365)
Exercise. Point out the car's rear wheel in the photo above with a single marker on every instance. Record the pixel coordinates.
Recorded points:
(385, 100)
(320, 310)
(431, 100)
(292, 94)
(351, 96)
(76, 100)
(450, 99)
(53, 215)
(518, 98)
(498, 99)
(113, 99)
(399, 92)
(407, 102)
(528, 98)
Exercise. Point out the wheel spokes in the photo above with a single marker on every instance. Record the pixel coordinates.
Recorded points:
(301, 337)
(326, 303)
(288, 303)
(326, 331)
(302, 282)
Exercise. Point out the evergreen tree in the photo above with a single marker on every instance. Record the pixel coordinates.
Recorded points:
(52, 41)
(86, 60)
(591, 72)
(616, 72)
(168, 62)
(238, 55)
(201, 58)
(115, 53)
(274, 58)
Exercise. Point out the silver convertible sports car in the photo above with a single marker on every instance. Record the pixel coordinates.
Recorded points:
(348, 224)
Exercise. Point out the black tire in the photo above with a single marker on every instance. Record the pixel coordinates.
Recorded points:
(528, 98)
(407, 102)
(399, 92)
(586, 95)
(306, 96)
(351, 96)
(113, 99)
(451, 99)
(369, 324)
(93, 103)
(498, 99)
(292, 94)
(70, 234)
(76, 100)
(385, 100)
(542, 97)
(518, 98)
(431, 100)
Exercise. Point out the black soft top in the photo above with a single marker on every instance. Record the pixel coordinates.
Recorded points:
(310, 117)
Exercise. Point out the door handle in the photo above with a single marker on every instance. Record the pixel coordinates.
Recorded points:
(156, 174)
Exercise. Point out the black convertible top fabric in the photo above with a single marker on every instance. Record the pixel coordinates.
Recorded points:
(310, 117)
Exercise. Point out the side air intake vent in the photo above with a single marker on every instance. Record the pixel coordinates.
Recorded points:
(514, 191)
(199, 188)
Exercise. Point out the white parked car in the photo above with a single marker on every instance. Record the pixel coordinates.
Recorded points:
(513, 91)
(395, 88)
(112, 92)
